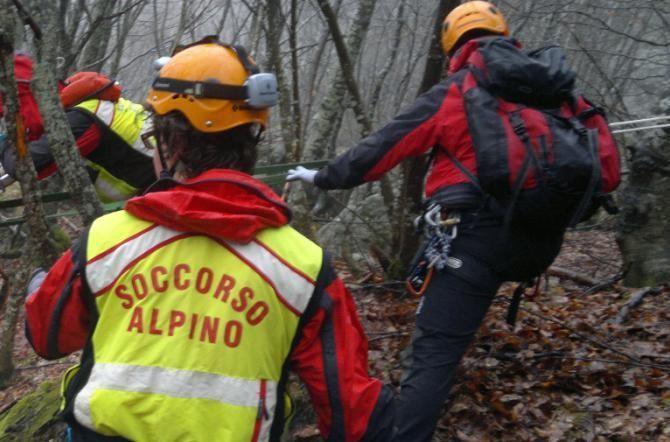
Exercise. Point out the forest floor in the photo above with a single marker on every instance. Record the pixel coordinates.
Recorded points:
(566, 371)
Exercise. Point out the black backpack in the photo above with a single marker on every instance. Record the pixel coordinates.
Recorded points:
(545, 155)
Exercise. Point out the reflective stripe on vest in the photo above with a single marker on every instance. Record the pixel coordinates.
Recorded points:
(129, 121)
(102, 270)
(176, 384)
(105, 111)
(289, 286)
(108, 187)
(198, 332)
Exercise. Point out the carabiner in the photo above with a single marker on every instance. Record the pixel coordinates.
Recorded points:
(433, 215)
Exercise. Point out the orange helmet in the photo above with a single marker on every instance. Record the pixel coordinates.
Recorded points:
(470, 16)
(85, 85)
(210, 84)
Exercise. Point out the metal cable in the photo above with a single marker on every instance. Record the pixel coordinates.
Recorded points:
(643, 120)
(633, 129)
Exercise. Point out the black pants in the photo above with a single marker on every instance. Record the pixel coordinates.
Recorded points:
(452, 310)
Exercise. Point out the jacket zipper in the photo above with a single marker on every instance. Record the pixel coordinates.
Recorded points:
(262, 412)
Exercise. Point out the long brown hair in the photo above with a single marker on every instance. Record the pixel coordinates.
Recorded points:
(198, 152)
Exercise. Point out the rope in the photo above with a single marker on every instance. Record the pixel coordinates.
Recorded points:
(662, 119)
(634, 129)
(643, 120)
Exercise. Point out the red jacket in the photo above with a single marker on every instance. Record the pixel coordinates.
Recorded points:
(437, 117)
(437, 121)
(28, 109)
(479, 123)
(330, 352)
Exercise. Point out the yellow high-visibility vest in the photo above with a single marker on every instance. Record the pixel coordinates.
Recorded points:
(191, 332)
(129, 121)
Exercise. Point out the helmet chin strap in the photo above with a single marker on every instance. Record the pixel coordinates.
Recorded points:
(165, 179)
(166, 173)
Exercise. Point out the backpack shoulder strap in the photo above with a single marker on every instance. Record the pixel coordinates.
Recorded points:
(460, 166)
(592, 187)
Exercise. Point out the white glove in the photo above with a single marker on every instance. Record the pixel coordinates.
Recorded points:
(36, 279)
(301, 173)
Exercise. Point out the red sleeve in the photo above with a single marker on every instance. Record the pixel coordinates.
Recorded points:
(57, 318)
(86, 133)
(88, 141)
(409, 134)
(331, 358)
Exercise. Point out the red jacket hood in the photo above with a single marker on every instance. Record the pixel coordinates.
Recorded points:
(222, 203)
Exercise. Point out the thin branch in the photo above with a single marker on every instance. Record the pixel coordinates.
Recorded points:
(574, 276)
(387, 335)
(635, 300)
(605, 361)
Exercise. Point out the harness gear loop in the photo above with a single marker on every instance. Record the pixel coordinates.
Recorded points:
(434, 254)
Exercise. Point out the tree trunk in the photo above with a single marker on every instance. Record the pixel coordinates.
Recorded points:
(317, 72)
(68, 29)
(347, 71)
(224, 15)
(181, 27)
(256, 29)
(159, 32)
(96, 48)
(296, 142)
(346, 64)
(38, 250)
(275, 25)
(331, 110)
(390, 61)
(123, 27)
(644, 222)
(16, 296)
(61, 140)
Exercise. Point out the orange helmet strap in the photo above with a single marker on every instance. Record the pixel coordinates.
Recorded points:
(166, 176)
(164, 168)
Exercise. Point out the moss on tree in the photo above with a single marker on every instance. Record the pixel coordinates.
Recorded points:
(33, 417)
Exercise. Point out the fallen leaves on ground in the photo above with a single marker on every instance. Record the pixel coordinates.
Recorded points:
(566, 372)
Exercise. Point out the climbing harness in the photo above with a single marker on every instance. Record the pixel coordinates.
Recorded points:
(439, 232)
